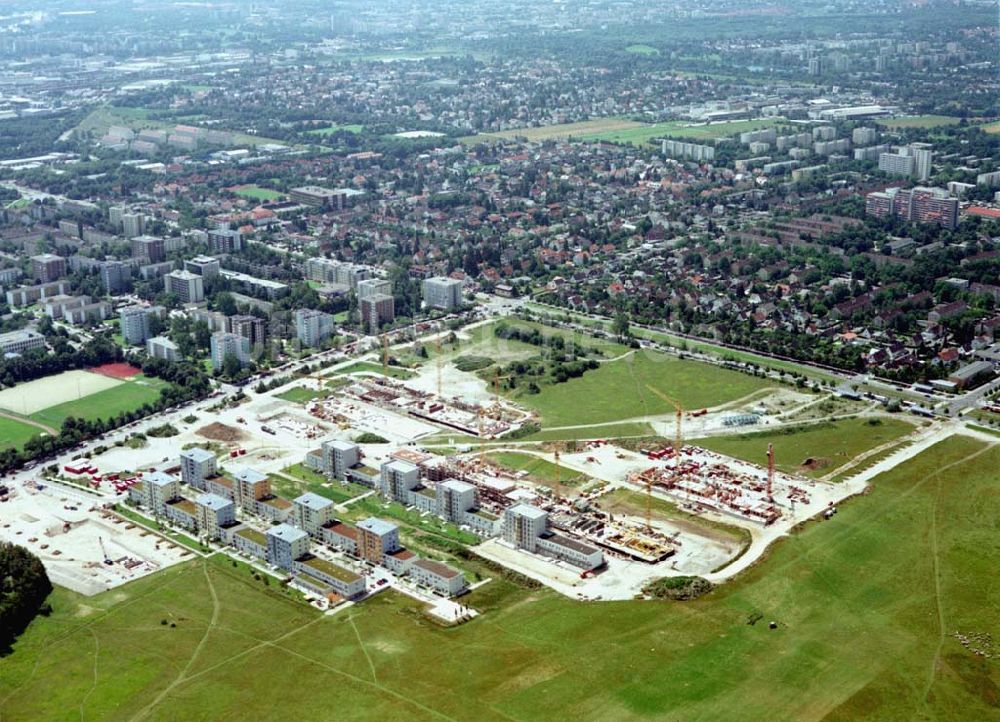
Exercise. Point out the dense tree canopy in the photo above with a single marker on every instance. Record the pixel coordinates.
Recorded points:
(24, 585)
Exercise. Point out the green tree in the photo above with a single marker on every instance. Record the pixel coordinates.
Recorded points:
(24, 585)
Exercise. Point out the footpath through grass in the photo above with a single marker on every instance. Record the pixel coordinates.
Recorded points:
(15, 434)
(829, 444)
(867, 605)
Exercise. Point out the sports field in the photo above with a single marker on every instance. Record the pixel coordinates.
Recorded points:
(124, 396)
(811, 449)
(680, 129)
(867, 607)
(617, 390)
(34, 396)
(255, 192)
(641, 49)
(335, 127)
(919, 121)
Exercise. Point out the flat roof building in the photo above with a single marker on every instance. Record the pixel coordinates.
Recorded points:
(20, 341)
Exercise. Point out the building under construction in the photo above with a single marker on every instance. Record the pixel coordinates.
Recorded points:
(467, 418)
(699, 484)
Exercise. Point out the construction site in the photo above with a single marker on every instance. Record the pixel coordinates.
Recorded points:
(84, 546)
(454, 413)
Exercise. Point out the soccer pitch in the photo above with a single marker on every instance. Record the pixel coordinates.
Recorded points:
(34, 396)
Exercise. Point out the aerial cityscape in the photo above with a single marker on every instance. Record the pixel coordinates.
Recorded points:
(457, 360)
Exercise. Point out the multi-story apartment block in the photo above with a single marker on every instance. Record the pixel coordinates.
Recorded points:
(397, 479)
(133, 224)
(523, 525)
(440, 577)
(285, 544)
(115, 276)
(229, 344)
(197, 465)
(148, 249)
(339, 456)
(250, 486)
(442, 293)
(924, 205)
(134, 323)
(252, 328)
(377, 309)
(162, 347)
(376, 538)
(47, 267)
(155, 490)
(189, 287)
(223, 240)
(215, 513)
(310, 512)
(204, 266)
(313, 327)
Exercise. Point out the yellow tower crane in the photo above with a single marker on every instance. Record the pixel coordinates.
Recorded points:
(497, 378)
(678, 444)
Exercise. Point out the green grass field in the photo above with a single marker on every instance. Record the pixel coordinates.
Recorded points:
(640, 49)
(617, 390)
(395, 372)
(298, 479)
(681, 129)
(699, 346)
(308, 392)
(539, 470)
(14, 434)
(918, 121)
(608, 431)
(991, 128)
(126, 396)
(335, 127)
(832, 444)
(866, 606)
(257, 193)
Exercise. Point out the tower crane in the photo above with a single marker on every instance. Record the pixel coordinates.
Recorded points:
(678, 443)
(497, 378)
(104, 552)
(770, 472)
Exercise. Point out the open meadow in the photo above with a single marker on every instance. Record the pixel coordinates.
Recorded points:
(867, 605)
(811, 449)
(617, 390)
(918, 121)
(14, 433)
